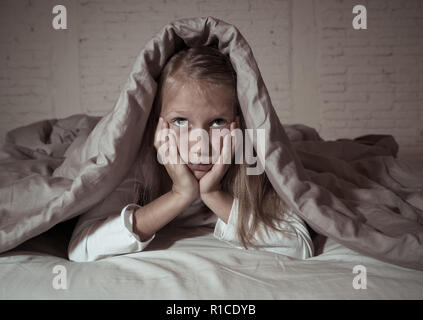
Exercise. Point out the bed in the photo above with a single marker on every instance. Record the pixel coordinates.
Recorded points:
(192, 264)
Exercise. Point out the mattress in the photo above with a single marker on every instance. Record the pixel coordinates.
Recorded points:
(185, 263)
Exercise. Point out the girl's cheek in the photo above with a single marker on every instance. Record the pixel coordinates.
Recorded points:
(215, 149)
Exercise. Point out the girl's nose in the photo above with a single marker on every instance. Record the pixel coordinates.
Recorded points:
(200, 145)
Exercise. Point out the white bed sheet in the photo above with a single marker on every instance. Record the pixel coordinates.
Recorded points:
(193, 264)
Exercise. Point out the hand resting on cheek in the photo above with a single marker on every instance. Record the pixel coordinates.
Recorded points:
(210, 182)
(184, 182)
(208, 187)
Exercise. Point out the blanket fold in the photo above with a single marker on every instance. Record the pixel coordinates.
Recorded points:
(354, 191)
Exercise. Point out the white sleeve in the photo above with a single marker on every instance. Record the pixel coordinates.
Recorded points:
(109, 237)
(107, 228)
(294, 241)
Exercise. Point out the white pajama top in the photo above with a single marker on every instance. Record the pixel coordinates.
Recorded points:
(102, 232)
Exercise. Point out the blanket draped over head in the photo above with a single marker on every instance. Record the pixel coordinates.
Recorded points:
(353, 191)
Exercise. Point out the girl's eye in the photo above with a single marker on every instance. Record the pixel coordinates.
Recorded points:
(219, 122)
(180, 122)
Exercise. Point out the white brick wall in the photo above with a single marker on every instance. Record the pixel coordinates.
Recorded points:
(25, 70)
(371, 81)
(113, 32)
(367, 81)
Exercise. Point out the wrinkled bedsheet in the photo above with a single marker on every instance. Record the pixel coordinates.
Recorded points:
(353, 191)
(192, 264)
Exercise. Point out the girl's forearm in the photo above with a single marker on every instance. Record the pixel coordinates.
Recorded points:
(220, 203)
(158, 213)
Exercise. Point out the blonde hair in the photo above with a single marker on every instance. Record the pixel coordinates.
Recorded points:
(258, 200)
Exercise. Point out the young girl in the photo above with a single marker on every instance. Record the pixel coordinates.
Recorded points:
(196, 90)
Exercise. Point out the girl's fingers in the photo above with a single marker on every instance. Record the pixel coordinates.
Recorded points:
(220, 167)
(157, 133)
(161, 131)
(165, 131)
(162, 138)
(173, 149)
(233, 139)
(226, 154)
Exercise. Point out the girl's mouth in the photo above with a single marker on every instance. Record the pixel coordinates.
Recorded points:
(200, 167)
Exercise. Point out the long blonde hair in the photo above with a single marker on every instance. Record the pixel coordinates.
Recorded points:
(258, 200)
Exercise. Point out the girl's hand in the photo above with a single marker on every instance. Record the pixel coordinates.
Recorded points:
(184, 182)
(210, 182)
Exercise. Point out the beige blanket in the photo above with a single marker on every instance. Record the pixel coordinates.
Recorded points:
(353, 191)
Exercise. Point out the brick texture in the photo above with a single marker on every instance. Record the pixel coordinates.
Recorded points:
(369, 81)
(25, 63)
(113, 32)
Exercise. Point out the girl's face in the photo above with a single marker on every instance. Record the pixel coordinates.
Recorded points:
(208, 109)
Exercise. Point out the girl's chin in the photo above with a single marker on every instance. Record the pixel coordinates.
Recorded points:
(199, 174)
